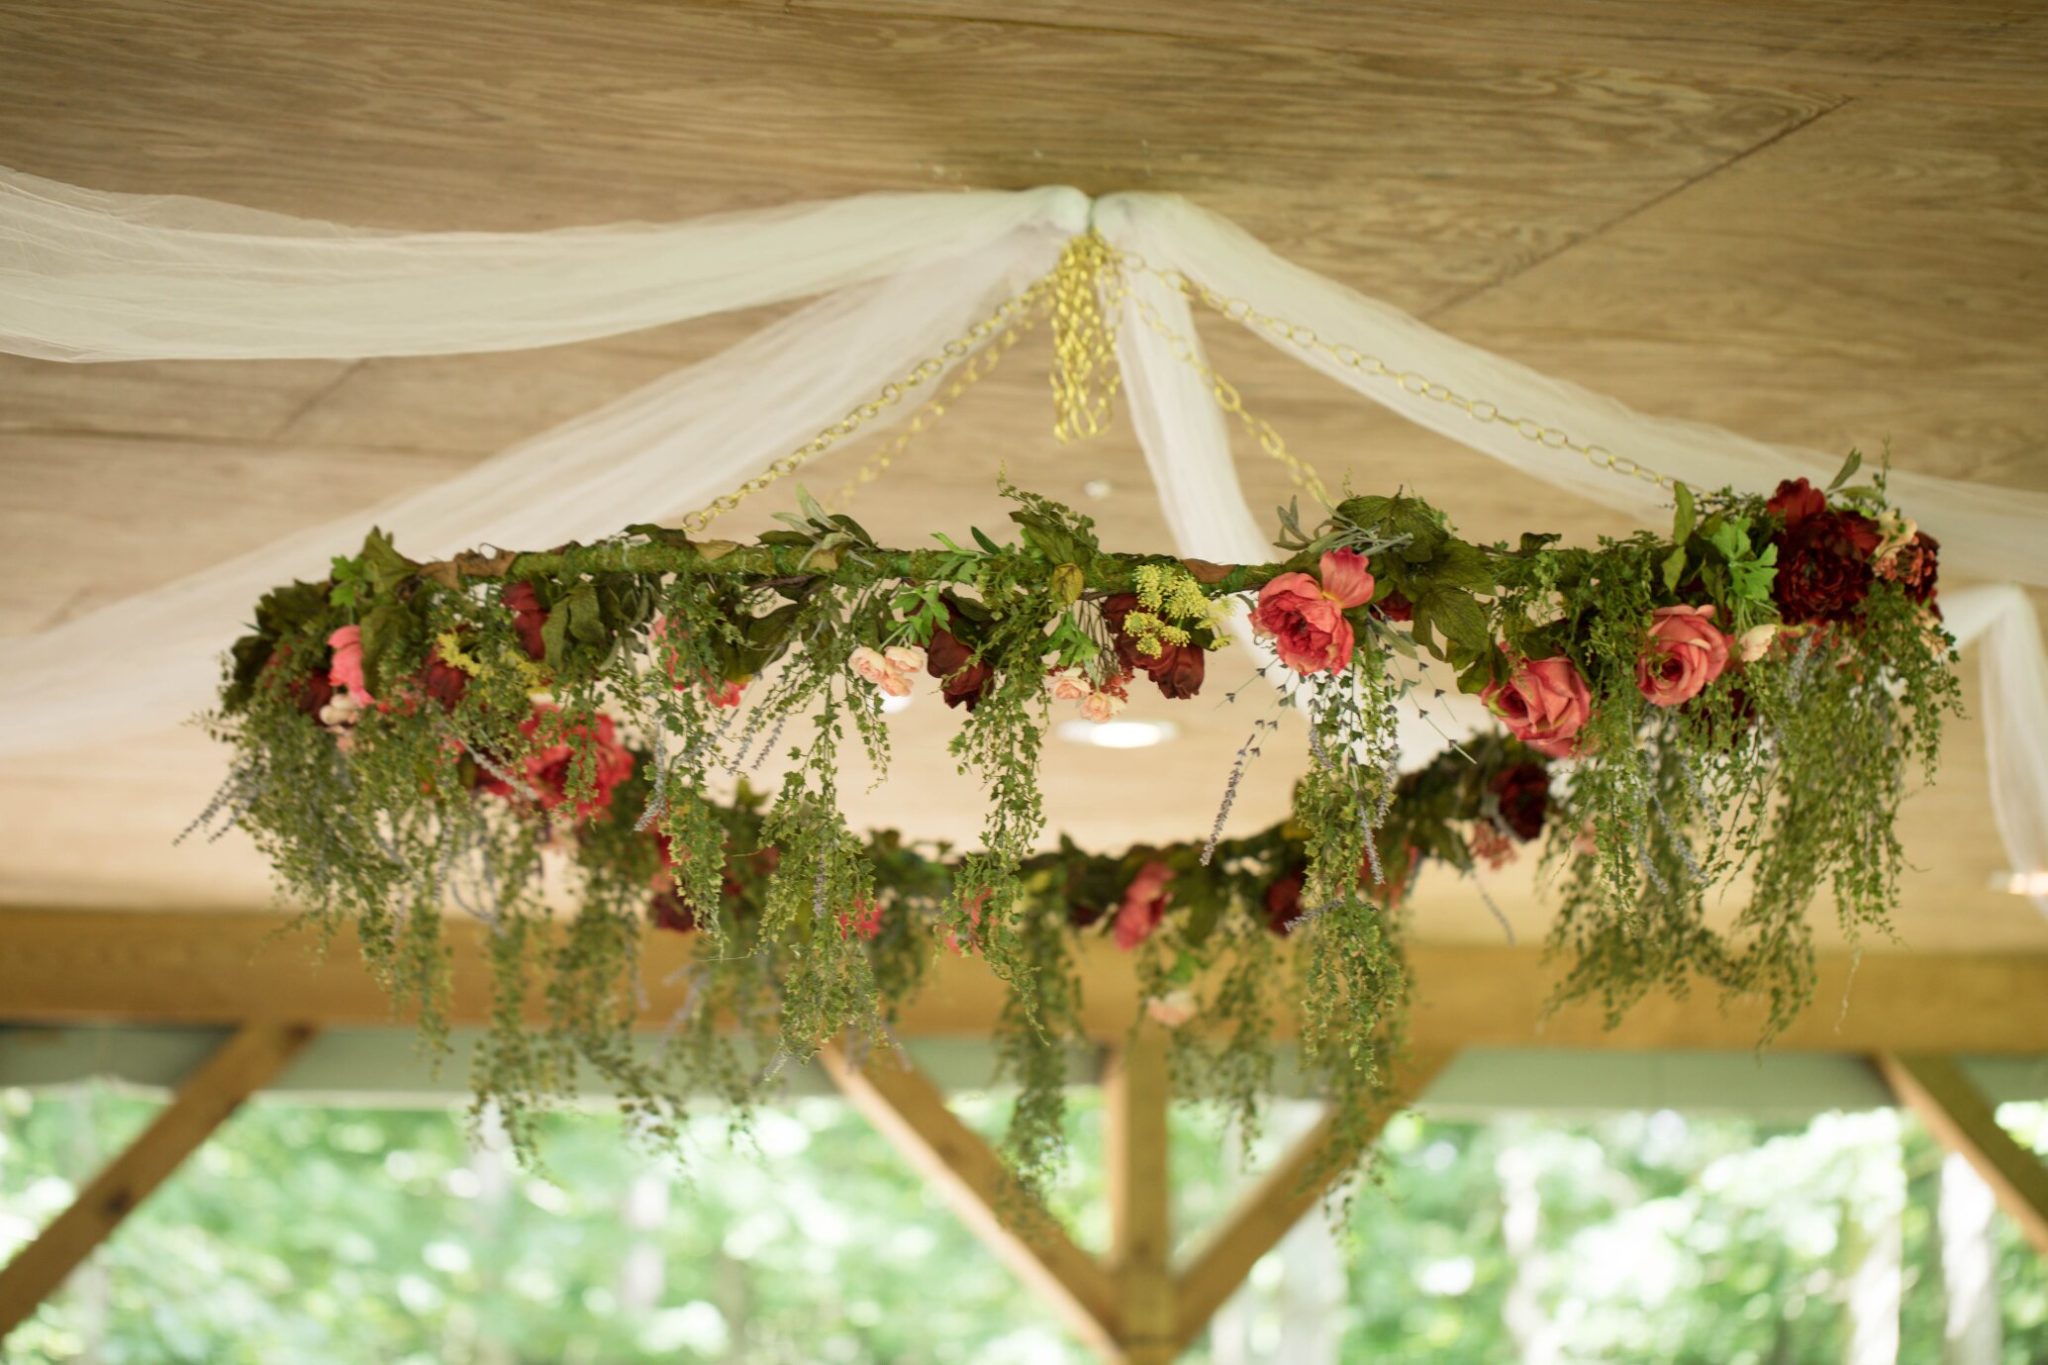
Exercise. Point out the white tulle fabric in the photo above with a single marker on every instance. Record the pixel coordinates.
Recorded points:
(87, 275)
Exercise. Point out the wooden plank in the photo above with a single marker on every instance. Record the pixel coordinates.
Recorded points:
(1137, 1162)
(1956, 1112)
(206, 968)
(1275, 1204)
(972, 1178)
(242, 1066)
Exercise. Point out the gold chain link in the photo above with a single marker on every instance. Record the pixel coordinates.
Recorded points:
(1082, 296)
(1085, 376)
(1232, 402)
(976, 369)
(1007, 314)
(1528, 428)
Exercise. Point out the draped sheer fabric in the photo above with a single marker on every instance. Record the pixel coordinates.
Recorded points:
(92, 276)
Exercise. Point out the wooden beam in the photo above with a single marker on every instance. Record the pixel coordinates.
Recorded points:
(1275, 1204)
(911, 1113)
(198, 967)
(242, 1065)
(1959, 1116)
(1135, 1093)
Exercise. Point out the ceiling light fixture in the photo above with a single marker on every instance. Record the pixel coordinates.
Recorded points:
(2033, 883)
(1119, 734)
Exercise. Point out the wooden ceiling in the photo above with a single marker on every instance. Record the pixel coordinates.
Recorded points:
(1817, 222)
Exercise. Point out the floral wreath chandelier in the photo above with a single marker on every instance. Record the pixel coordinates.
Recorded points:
(1739, 700)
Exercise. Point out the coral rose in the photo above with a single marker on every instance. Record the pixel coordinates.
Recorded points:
(1305, 617)
(1684, 653)
(548, 768)
(1144, 905)
(1544, 703)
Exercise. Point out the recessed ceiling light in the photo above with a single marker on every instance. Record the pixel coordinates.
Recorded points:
(2021, 883)
(891, 705)
(1119, 734)
(1098, 488)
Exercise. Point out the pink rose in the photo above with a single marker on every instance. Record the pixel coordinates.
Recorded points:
(890, 669)
(1068, 684)
(1144, 905)
(1544, 703)
(1172, 1009)
(345, 669)
(1685, 652)
(1101, 706)
(725, 694)
(1305, 618)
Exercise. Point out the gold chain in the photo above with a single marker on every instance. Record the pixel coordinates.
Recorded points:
(960, 348)
(1085, 376)
(964, 378)
(1528, 428)
(1232, 402)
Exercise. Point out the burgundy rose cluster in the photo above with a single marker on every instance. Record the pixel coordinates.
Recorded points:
(1829, 558)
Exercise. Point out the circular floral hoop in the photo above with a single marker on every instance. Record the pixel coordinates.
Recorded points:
(1740, 698)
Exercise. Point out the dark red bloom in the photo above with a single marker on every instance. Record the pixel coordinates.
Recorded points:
(1176, 669)
(1081, 916)
(1395, 607)
(962, 677)
(444, 682)
(671, 912)
(1914, 566)
(1824, 566)
(312, 693)
(1283, 903)
(528, 617)
(1795, 501)
(1523, 793)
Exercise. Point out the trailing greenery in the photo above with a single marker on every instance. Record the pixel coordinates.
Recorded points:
(557, 744)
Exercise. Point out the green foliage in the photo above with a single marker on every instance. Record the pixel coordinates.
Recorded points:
(567, 825)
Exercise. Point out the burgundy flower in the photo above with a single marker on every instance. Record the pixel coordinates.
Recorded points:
(1177, 669)
(528, 617)
(962, 677)
(1523, 793)
(671, 912)
(1395, 607)
(1283, 903)
(444, 682)
(1914, 565)
(546, 768)
(1795, 501)
(1824, 566)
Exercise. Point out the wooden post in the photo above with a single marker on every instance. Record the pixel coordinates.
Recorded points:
(1275, 1204)
(1135, 1092)
(1959, 1116)
(242, 1066)
(908, 1110)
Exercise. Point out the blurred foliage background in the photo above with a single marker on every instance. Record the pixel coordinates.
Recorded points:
(305, 1233)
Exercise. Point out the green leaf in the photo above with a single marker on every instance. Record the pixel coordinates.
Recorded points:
(391, 635)
(1848, 470)
(1459, 617)
(981, 539)
(1683, 520)
(1674, 567)
(382, 565)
